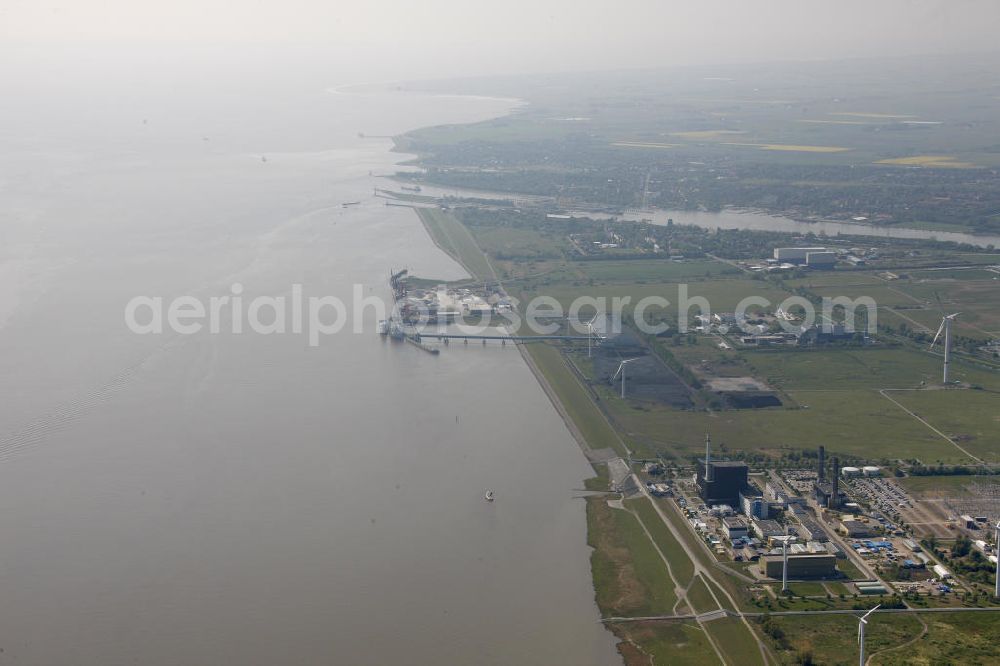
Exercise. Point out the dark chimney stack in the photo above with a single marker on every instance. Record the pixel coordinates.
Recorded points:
(834, 502)
(822, 463)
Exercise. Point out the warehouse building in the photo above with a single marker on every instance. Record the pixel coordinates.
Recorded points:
(765, 529)
(795, 255)
(821, 259)
(734, 528)
(854, 529)
(800, 566)
(941, 572)
(810, 530)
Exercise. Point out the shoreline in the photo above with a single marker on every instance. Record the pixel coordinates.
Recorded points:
(848, 228)
(543, 382)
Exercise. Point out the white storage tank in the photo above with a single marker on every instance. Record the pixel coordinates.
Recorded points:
(850, 471)
(871, 470)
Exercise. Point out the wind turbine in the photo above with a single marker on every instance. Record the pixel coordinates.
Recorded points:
(996, 550)
(784, 562)
(621, 371)
(862, 621)
(946, 327)
(590, 333)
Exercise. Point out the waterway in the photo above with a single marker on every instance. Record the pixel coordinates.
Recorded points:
(248, 498)
(733, 218)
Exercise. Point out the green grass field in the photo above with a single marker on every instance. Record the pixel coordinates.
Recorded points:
(680, 564)
(952, 638)
(972, 418)
(723, 295)
(834, 279)
(630, 578)
(923, 295)
(833, 639)
(574, 398)
(699, 597)
(652, 270)
(847, 421)
(856, 368)
(453, 238)
(736, 642)
(525, 244)
(807, 589)
(667, 643)
(949, 486)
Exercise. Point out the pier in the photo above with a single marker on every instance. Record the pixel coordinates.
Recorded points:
(415, 341)
(505, 338)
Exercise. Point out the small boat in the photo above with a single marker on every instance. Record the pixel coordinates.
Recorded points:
(488, 496)
(350, 203)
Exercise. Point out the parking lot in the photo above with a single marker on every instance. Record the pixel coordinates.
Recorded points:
(887, 501)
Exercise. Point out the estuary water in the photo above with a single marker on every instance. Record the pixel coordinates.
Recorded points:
(246, 498)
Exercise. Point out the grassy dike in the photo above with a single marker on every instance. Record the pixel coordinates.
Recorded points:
(455, 240)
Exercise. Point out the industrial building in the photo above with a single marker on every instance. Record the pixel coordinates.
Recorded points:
(827, 492)
(795, 255)
(765, 529)
(734, 527)
(871, 588)
(753, 503)
(822, 259)
(807, 565)
(854, 529)
(941, 572)
(721, 481)
(810, 530)
(773, 492)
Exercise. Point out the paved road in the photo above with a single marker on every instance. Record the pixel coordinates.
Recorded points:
(712, 615)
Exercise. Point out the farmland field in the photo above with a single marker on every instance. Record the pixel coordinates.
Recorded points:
(969, 417)
(723, 295)
(950, 486)
(870, 368)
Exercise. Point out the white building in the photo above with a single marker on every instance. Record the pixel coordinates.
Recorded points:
(821, 259)
(795, 254)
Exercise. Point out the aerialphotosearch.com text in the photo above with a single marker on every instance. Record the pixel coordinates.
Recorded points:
(316, 317)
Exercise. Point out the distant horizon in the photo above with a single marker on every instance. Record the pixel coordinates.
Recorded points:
(399, 41)
(994, 53)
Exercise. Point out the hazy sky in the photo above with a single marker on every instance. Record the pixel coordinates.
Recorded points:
(403, 38)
